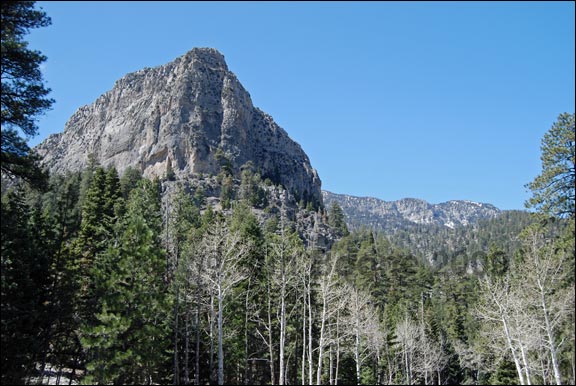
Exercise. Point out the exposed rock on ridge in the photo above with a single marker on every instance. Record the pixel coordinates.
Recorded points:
(181, 114)
(390, 216)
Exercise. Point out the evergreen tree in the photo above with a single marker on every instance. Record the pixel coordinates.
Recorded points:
(497, 262)
(251, 189)
(96, 233)
(183, 219)
(554, 189)
(336, 219)
(113, 204)
(130, 341)
(23, 93)
(129, 180)
(61, 215)
(23, 291)
(95, 228)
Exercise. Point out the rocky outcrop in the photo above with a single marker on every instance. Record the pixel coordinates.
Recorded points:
(190, 116)
(389, 216)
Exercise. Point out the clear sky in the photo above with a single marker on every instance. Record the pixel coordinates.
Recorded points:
(437, 101)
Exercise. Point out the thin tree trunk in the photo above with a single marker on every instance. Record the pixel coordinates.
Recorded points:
(282, 323)
(197, 348)
(176, 327)
(331, 365)
(321, 340)
(44, 360)
(513, 351)
(310, 358)
(550, 334)
(357, 352)
(337, 347)
(187, 349)
(211, 363)
(73, 373)
(270, 340)
(526, 366)
(220, 348)
(246, 340)
(303, 364)
(59, 375)
(378, 369)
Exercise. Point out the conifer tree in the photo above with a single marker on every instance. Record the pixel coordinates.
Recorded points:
(336, 219)
(24, 286)
(553, 190)
(24, 96)
(130, 341)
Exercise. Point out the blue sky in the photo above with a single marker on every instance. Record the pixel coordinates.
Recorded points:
(432, 100)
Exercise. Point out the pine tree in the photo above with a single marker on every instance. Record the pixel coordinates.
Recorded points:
(26, 286)
(553, 190)
(24, 96)
(130, 341)
(183, 219)
(336, 219)
(99, 216)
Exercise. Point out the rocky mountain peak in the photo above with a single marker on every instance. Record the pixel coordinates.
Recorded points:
(188, 116)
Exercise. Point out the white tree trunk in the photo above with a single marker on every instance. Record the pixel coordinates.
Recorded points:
(220, 347)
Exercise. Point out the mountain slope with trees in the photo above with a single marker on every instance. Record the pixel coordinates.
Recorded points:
(112, 277)
(436, 233)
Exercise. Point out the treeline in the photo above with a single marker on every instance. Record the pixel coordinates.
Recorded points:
(104, 278)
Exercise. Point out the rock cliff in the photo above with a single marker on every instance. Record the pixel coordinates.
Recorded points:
(186, 116)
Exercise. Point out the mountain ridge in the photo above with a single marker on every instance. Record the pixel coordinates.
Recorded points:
(399, 214)
(437, 233)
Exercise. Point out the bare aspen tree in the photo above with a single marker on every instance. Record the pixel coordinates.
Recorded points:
(429, 359)
(531, 305)
(285, 254)
(495, 307)
(332, 298)
(224, 251)
(305, 281)
(407, 334)
(360, 320)
(541, 274)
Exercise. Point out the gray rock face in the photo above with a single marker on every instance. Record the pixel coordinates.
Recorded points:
(181, 114)
(390, 216)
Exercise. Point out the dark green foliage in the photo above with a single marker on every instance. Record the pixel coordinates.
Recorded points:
(129, 180)
(224, 161)
(251, 189)
(96, 215)
(24, 289)
(113, 203)
(101, 209)
(23, 93)
(336, 219)
(129, 343)
(226, 190)
(505, 374)
(199, 197)
(497, 262)
(441, 245)
(553, 191)
(98, 277)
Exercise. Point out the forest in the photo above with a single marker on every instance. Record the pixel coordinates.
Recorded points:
(119, 279)
(106, 282)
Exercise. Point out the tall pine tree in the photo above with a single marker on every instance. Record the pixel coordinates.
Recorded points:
(130, 341)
